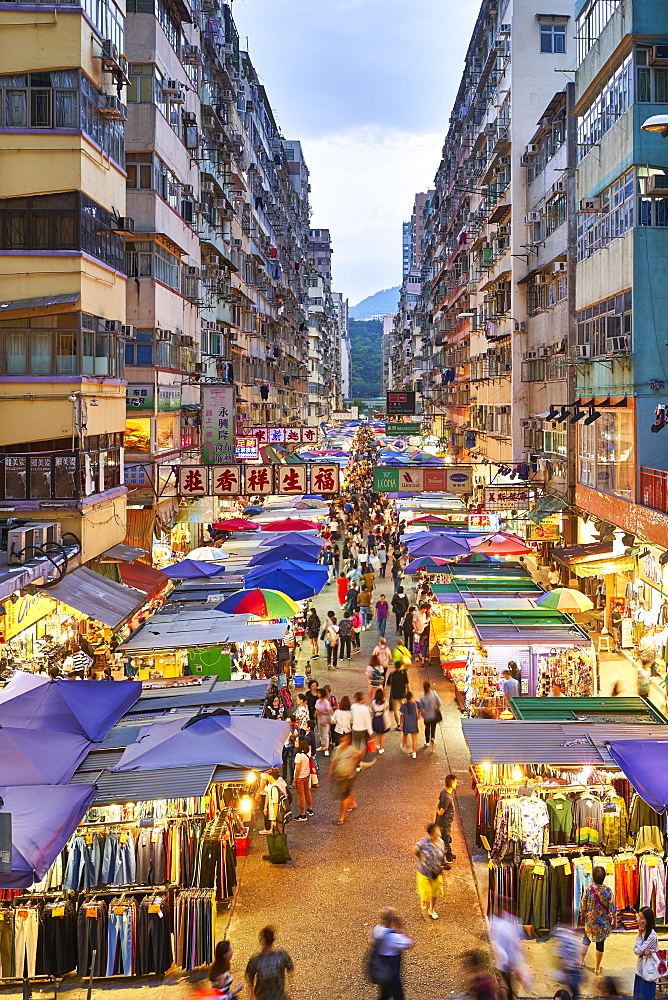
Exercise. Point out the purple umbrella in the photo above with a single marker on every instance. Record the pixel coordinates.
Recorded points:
(193, 569)
(440, 544)
(88, 707)
(266, 557)
(298, 538)
(44, 817)
(50, 759)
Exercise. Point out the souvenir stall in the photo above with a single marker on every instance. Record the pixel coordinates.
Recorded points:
(178, 642)
(552, 805)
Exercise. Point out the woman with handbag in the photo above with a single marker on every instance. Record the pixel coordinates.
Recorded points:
(647, 966)
(380, 718)
(430, 852)
(597, 913)
(430, 708)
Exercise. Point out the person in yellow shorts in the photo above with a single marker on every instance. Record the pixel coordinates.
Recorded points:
(430, 854)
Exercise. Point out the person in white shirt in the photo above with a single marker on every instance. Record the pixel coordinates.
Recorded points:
(342, 719)
(361, 721)
(302, 780)
(389, 941)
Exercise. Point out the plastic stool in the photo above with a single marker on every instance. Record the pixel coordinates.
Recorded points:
(604, 644)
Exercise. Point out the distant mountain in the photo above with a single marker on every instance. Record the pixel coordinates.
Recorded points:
(365, 357)
(376, 305)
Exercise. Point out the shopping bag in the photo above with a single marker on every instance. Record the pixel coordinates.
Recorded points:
(277, 845)
(371, 746)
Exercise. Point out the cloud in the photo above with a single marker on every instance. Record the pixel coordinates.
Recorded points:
(363, 184)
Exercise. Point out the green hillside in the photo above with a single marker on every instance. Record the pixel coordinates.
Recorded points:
(365, 337)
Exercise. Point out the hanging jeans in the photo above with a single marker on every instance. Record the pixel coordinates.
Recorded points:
(6, 934)
(581, 879)
(561, 893)
(26, 930)
(118, 863)
(119, 941)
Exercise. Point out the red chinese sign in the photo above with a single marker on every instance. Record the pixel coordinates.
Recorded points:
(226, 480)
(324, 479)
(193, 480)
(260, 479)
(291, 479)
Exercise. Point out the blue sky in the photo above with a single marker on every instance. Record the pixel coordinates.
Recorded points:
(367, 86)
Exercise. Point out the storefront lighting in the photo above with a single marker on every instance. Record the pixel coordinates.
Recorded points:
(486, 765)
(517, 773)
(251, 778)
(245, 805)
(593, 415)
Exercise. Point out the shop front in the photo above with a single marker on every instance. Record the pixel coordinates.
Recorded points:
(552, 805)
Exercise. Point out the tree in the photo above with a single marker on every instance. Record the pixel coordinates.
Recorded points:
(365, 357)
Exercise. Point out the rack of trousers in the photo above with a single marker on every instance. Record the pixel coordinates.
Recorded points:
(135, 932)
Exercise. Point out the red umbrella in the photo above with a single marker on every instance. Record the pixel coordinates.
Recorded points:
(291, 524)
(430, 519)
(501, 544)
(235, 524)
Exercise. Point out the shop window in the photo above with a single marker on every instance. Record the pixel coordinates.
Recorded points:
(167, 434)
(138, 435)
(606, 454)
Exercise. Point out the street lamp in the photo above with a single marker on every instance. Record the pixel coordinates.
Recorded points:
(657, 123)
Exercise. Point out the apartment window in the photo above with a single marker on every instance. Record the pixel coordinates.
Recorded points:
(145, 85)
(605, 454)
(652, 211)
(146, 259)
(553, 38)
(590, 23)
(597, 229)
(555, 213)
(612, 101)
(52, 471)
(140, 350)
(555, 441)
(598, 323)
(62, 344)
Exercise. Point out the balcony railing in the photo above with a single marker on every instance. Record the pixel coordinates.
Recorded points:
(654, 488)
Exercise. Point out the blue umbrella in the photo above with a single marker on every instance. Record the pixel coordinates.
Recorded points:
(298, 580)
(440, 544)
(253, 509)
(297, 538)
(192, 569)
(278, 553)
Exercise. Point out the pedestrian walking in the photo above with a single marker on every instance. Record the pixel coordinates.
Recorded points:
(342, 719)
(364, 601)
(398, 682)
(220, 976)
(481, 985)
(408, 629)
(509, 685)
(332, 643)
(399, 607)
(346, 636)
(311, 698)
(384, 654)
(352, 598)
(302, 714)
(388, 944)
(323, 714)
(597, 915)
(302, 780)
(346, 760)
(445, 814)
(647, 965)
(375, 675)
(569, 950)
(409, 713)
(342, 586)
(369, 578)
(382, 611)
(361, 729)
(336, 558)
(397, 574)
(357, 629)
(382, 559)
(265, 972)
(380, 718)
(430, 709)
(313, 625)
(506, 933)
(430, 852)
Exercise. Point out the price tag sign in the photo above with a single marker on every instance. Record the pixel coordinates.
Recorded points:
(58, 911)
(154, 908)
(22, 913)
(120, 909)
(92, 913)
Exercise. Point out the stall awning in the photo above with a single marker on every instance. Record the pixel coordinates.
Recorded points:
(567, 743)
(142, 577)
(577, 553)
(190, 629)
(96, 596)
(645, 764)
(519, 637)
(604, 567)
(631, 709)
(123, 553)
(147, 786)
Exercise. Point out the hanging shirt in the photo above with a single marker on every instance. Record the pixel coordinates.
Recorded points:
(615, 824)
(534, 819)
(646, 827)
(588, 821)
(560, 812)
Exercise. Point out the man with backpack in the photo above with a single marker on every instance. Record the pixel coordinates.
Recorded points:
(346, 635)
(399, 607)
(388, 941)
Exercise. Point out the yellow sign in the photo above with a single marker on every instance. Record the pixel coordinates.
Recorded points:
(24, 613)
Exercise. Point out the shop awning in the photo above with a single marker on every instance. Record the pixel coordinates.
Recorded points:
(142, 577)
(645, 764)
(190, 629)
(168, 783)
(577, 553)
(98, 597)
(123, 553)
(567, 743)
(44, 817)
(604, 567)
(633, 709)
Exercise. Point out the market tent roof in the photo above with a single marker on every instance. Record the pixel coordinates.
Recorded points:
(565, 743)
(123, 553)
(193, 569)
(197, 628)
(633, 709)
(50, 759)
(87, 707)
(235, 741)
(577, 553)
(297, 579)
(98, 597)
(266, 557)
(301, 539)
(142, 577)
(496, 602)
(44, 817)
(645, 764)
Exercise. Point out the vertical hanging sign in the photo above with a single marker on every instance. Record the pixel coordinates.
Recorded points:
(218, 424)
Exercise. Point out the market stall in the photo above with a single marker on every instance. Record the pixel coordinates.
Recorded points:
(634, 709)
(552, 804)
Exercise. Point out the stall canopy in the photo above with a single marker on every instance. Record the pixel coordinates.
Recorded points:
(123, 553)
(645, 764)
(632, 709)
(236, 741)
(529, 628)
(98, 597)
(267, 557)
(298, 580)
(193, 569)
(570, 743)
(298, 538)
(91, 708)
(595, 559)
(142, 577)
(50, 759)
(44, 817)
(189, 629)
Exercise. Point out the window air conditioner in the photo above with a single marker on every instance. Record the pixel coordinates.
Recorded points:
(46, 532)
(163, 335)
(583, 350)
(189, 117)
(208, 187)
(504, 29)
(614, 345)
(128, 332)
(559, 266)
(124, 224)
(20, 545)
(657, 182)
(658, 55)
(590, 204)
(113, 326)
(525, 159)
(532, 217)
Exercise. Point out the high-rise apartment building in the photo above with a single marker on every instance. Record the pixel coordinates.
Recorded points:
(62, 277)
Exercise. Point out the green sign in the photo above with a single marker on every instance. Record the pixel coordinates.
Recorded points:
(386, 480)
(169, 398)
(139, 397)
(402, 430)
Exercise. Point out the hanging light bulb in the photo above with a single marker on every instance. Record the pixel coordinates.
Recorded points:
(245, 805)
(517, 773)
(251, 778)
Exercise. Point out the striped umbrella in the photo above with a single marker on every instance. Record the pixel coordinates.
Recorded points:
(564, 599)
(263, 603)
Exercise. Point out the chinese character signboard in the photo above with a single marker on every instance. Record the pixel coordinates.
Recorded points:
(137, 477)
(218, 424)
(483, 522)
(310, 435)
(398, 430)
(246, 448)
(169, 398)
(506, 498)
(226, 480)
(139, 397)
(193, 480)
(260, 479)
(291, 479)
(293, 435)
(261, 434)
(324, 479)
(400, 403)
(276, 435)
